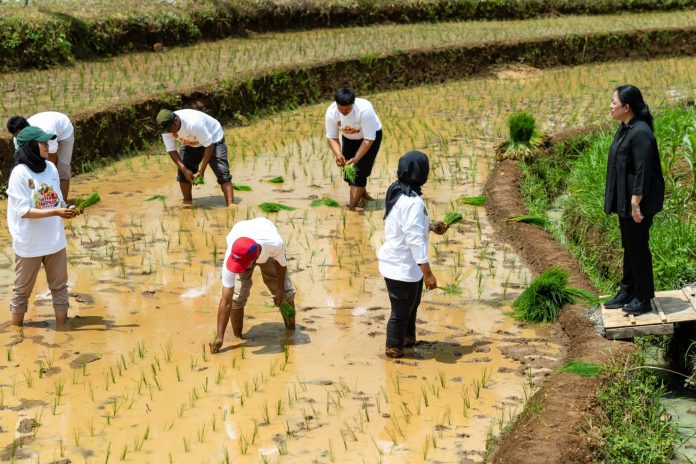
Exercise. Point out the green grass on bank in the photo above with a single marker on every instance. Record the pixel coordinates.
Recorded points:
(49, 32)
(633, 426)
(96, 84)
(578, 169)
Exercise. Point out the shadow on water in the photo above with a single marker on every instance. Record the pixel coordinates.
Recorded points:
(271, 338)
(441, 351)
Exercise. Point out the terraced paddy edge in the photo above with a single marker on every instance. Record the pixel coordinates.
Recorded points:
(566, 401)
(119, 128)
(61, 31)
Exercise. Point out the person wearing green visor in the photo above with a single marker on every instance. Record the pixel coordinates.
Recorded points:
(35, 213)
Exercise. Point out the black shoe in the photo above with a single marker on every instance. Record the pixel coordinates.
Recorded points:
(619, 301)
(637, 307)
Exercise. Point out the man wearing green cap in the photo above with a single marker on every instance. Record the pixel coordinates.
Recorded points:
(202, 143)
(35, 209)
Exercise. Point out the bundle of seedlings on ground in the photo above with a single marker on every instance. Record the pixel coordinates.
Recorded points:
(350, 172)
(523, 139)
(582, 368)
(85, 201)
(269, 207)
(198, 181)
(474, 201)
(277, 180)
(241, 188)
(327, 201)
(544, 298)
(530, 219)
(452, 218)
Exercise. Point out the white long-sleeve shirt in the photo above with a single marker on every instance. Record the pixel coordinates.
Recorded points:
(405, 240)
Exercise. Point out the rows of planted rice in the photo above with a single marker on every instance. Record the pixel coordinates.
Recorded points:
(92, 85)
(132, 380)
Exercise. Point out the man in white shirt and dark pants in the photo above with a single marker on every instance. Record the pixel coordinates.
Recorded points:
(202, 143)
(60, 149)
(250, 243)
(361, 135)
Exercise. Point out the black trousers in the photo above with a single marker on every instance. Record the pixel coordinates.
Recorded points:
(405, 298)
(637, 260)
(349, 148)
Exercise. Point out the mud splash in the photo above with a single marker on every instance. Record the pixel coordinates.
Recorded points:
(132, 380)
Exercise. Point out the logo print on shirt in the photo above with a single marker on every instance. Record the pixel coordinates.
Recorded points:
(188, 141)
(45, 197)
(351, 130)
(31, 184)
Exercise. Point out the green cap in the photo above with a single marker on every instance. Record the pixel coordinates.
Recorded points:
(33, 134)
(165, 118)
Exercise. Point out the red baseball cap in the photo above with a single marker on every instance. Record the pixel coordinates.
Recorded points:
(244, 252)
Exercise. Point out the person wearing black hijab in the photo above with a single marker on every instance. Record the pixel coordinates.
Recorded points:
(403, 258)
(635, 191)
(35, 209)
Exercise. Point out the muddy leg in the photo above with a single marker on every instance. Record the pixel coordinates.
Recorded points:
(228, 192)
(186, 191)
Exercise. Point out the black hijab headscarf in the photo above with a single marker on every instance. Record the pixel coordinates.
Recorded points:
(28, 153)
(412, 173)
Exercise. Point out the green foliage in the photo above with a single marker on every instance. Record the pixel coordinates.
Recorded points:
(241, 188)
(544, 298)
(452, 217)
(325, 202)
(85, 201)
(350, 172)
(474, 201)
(540, 221)
(277, 180)
(157, 197)
(269, 207)
(521, 126)
(633, 426)
(582, 368)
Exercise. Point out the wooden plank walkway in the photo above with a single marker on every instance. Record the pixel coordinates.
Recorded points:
(669, 308)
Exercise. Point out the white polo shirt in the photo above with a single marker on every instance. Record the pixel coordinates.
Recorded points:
(405, 240)
(197, 130)
(361, 123)
(263, 232)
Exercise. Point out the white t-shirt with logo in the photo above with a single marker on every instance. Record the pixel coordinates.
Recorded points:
(405, 240)
(52, 122)
(197, 130)
(27, 189)
(263, 232)
(361, 123)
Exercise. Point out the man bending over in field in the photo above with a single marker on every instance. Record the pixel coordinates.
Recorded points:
(249, 243)
(202, 143)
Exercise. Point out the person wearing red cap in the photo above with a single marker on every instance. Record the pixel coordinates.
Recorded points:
(250, 243)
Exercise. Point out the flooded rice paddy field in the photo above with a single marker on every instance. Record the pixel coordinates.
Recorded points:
(132, 380)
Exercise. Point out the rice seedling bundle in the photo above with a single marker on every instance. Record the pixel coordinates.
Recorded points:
(582, 368)
(546, 295)
(241, 188)
(85, 201)
(530, 219)
(277, 180)
(286, 309)
(270, 207)
(474, 201)
(325, 202)
(350, 172)
(198, 181)
(452, 217)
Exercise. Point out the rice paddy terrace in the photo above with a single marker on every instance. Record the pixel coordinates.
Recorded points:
(132, 380)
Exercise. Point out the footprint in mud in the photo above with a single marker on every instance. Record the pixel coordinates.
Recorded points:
(84, 359)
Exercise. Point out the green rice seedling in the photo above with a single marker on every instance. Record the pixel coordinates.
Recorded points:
(443, 378)
(582, 368)
(161, 198)
(324, 202)
(270, 207)
(473, 201)
(277, 180)
(452, 289)
(452, 217)
(85, 201)
(200, 180)
(546, 295)
(187, 444)
(241, 188)
(124, 453)
(350, 173)
(530, 219)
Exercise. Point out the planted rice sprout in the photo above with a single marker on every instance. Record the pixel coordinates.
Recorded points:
(270, 207)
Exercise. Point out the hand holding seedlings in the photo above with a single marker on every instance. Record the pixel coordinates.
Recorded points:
(66, 213)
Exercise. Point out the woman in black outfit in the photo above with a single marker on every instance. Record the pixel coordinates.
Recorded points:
(635, 190)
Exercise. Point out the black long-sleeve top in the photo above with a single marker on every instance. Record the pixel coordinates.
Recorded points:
(634, 169)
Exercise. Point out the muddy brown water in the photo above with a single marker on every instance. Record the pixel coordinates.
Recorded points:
(131, 379)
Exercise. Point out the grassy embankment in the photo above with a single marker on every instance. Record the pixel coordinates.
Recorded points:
(59, 31)
(631, 425)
